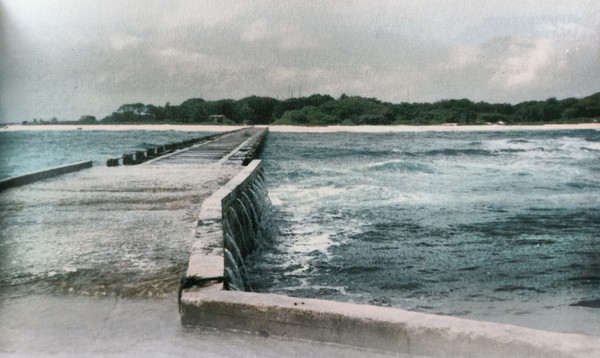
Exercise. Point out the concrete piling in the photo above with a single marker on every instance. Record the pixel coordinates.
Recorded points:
(140, 156)
(128, 159)
(151, 152)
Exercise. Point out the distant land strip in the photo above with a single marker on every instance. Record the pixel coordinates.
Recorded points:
(323, 110)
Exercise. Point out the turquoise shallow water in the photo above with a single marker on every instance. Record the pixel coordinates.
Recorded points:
(482, 225)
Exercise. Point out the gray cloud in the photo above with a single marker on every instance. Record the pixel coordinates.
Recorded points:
(69, 58)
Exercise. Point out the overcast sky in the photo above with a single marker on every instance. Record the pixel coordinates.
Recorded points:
(68, 58)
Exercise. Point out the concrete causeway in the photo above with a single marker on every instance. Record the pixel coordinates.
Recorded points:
(122, 230)
(229, 148)
(128, 231)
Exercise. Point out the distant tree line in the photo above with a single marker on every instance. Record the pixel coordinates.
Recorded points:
(319, 109)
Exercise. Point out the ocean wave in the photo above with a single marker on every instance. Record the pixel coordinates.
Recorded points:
(145, 145)
(588, 280)
(402, 167)
(588, 303)
(353, 270)
(519, 141)
(402, 286)
(583, 185)
(460, 152)
(513, 288)
(512, 150)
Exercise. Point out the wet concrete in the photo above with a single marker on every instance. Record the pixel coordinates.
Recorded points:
(74, 326)
(90, 261)
(122, 231)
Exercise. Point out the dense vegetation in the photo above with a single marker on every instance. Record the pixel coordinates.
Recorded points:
(353, 110)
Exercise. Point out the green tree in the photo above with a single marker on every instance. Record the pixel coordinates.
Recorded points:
(293, 117)
(87, 119)
(262, 109)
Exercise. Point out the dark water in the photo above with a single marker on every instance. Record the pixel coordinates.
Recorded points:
(23, 152)
(483, 225)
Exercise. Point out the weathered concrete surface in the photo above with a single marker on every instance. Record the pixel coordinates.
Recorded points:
(122, 230)
(212, 151)
(77, 326)
(375, 327)
(206, 259)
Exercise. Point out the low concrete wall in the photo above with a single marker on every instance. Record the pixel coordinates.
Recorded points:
(375, 327)
(44, 174)
(207, 256)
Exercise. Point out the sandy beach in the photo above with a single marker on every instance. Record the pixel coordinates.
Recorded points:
(304, 129)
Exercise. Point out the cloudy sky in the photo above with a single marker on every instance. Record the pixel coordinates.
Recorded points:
(67, 58)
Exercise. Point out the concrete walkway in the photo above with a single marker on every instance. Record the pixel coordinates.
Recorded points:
(123, 230)
(88, 259)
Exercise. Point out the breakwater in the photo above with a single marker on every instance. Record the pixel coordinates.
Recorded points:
(43, 174)
(229, 228)
(214, 293)
(54, 237)
(141, 156)
(249, 149)
(56, 240)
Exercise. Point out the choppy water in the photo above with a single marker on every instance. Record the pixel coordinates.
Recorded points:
(498, 225)
(483, 225)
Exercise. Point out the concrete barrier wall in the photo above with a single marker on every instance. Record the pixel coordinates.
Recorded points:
(207, 259)
(44, 174)
(374, 327)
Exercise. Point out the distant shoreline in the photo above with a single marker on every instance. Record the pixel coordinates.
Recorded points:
(304, 129)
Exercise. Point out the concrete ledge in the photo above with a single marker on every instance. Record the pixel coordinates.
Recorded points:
(375, 327)
(44, 174)
(206, 258)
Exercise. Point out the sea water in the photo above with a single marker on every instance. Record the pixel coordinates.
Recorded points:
(500, 226)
